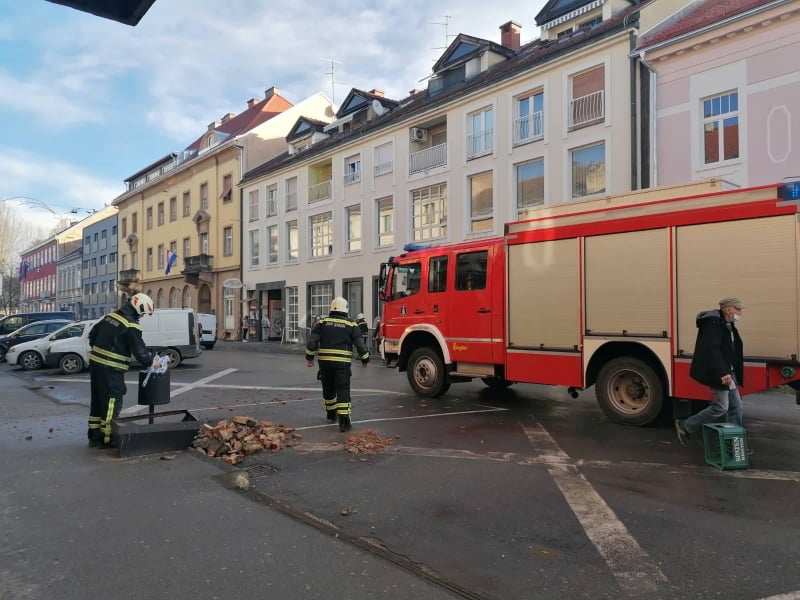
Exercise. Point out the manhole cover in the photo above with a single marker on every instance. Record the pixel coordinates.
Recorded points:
(260, 471)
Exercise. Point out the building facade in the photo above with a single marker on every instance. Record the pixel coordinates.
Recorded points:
(727, 91)
(186, 206)
(38, 277)
(99, 267)
(501, 128)
(68, 283)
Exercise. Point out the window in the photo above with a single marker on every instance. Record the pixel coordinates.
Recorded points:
(292, 333)
(227, 241)
(149, 259)
(320, 296)
(113, 230)
(187, 297)
(292, 242)
(721, 128)
(134, 223)
(173, 208)
(160, 256)
(204, 242)
(103, 259)
(187, 247)
(125, 262)
(429, 213)
(589, 170)
(406, 280)
(587, 102)
(437, 274)
(160, 213)
(385, 212)
(112, 257)
(272, 244)
(383, 159)
(149, 224)
(174, 297)
(187, 204)
(529, 120)
(352, 169)
(353, 228)
(227, 306)
(227, 188)
(87, 243)
(253, 205)
(291, 194)
(134, 259)
(530, 184)
(203, 196)
(321, 234)
(124, 227)
(272, 200)
(480, 131)
(471, 270)
(173, 247)
(481, 203)
(254, 248)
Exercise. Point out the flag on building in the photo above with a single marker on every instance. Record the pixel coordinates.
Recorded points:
(171, 258)
(23, 269)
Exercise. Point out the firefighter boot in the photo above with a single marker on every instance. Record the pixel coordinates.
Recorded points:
(344, 423)
(331, 415)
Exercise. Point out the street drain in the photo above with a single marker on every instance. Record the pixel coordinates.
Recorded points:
(260, 471)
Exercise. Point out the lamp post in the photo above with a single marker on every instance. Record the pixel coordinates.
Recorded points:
(29, 201)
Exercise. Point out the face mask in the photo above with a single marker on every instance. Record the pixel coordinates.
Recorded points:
(736, 317)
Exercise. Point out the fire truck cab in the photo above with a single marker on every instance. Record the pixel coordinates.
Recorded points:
(603, 293)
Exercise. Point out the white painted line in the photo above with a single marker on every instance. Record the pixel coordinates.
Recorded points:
(452, 414)
(295, 389)
(631, 566)
(787, 596)
(199, 383)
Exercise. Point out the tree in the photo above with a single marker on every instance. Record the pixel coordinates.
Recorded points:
(16, 234)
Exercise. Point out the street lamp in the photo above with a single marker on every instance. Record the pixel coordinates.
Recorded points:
(28, 201)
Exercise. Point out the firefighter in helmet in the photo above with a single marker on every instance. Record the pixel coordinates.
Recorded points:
(113, 339)
(332, 339)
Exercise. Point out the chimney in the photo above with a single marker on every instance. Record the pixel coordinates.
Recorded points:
(378, 93)
(227, 117)
(251, 103)
(213, 125)
(273, 91)
(509, 35)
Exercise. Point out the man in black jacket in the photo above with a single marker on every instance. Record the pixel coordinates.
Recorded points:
(333, 338)
(114, 338)
(718, 362)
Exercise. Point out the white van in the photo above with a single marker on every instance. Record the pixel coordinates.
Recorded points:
(208, 332)
(172, 332)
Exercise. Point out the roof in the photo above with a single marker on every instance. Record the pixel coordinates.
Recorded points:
(558, 8)
(252, 117)
(357, 99)
(164, 159)
(526, 58)
(303, 127)
(697, 15)
(463, 48)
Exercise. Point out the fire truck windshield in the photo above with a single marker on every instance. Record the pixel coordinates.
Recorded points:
(405, 280)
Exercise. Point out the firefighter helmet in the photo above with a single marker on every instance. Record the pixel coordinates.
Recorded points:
(142, 304)
(360, 317)
(339, 304)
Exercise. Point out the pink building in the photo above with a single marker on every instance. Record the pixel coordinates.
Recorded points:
(726, 100)
(38, 277)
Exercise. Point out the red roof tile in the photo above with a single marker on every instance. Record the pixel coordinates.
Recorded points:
(697, 15)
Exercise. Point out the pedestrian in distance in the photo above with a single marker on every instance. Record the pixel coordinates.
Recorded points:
(376, 333)
(332, 340)
(245, 327)
(265, 325)
(363, 326)
(113, 340)
(718, 362)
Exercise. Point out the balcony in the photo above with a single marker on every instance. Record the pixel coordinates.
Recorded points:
(197, 264)
(128, 276)
(384, 168)
(529, 128)
(421, 161)
(480, 143)
(587, 110)
(352, 177)
(320, 191)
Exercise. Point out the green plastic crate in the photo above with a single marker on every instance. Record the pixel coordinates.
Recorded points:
(726, 446)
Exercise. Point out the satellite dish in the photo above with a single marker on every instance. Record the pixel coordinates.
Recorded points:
(232, 283)
(378, 107)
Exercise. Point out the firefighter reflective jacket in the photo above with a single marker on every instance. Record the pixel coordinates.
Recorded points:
(333, 339)
(116, 337)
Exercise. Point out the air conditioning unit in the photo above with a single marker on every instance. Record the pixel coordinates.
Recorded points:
(418, 134)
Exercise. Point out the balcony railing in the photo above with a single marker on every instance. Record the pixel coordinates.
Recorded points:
(291, 200)
(587, 109)
(320, 191)
(479, 143)
(384, 168)
(272, 207)
(429, 158)
(198, 263)
(353, 177)
(128, 276)
(529, 128)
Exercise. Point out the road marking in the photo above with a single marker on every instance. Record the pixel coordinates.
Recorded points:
(629, 563)
(449, 414)
(295, 389)
(199, 383)
(787, 596)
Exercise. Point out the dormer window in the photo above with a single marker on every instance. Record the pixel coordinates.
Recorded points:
(209, 141)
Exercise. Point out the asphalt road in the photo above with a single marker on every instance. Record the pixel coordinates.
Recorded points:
(526, 493)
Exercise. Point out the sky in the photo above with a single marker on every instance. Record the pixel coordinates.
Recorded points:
(86, 102)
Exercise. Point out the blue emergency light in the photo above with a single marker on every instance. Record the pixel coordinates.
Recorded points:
(412, 247)
(790, 190)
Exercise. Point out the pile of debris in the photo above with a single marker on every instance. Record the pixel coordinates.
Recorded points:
(233, 439)
(366, 442)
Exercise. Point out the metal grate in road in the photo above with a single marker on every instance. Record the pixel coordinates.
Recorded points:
(260, 471)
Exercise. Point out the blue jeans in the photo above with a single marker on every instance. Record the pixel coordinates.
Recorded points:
(726, 403)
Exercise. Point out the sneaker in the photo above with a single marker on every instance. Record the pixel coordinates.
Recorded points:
(683, 435)
(331, 416)
(344, 423)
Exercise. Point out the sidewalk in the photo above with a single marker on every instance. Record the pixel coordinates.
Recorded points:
(79, 522)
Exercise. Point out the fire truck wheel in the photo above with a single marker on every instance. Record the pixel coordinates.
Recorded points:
(426, 373)
(629, 391)
(497, 383)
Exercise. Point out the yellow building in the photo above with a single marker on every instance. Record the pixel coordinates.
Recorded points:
(187, 205)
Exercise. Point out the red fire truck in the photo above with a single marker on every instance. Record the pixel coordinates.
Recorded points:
(603, 293)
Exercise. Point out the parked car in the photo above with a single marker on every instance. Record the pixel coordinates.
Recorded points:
(70, 355)
(29, 332)
(11, 323)
(31, 355)
(172, 332)
(208, 330)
